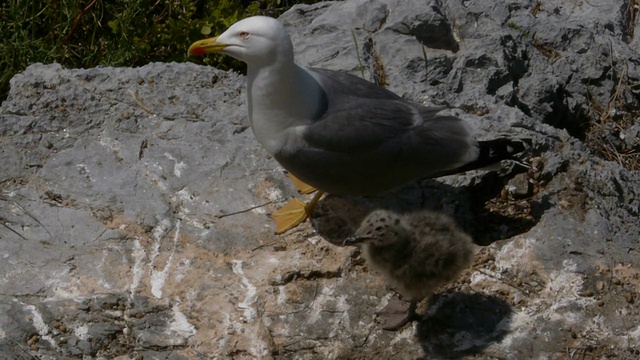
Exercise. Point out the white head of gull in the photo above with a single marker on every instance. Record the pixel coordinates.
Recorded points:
(282, 97)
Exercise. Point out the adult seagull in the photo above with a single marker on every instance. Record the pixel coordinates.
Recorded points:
(340, 133)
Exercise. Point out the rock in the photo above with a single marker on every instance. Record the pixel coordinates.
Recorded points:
(134, 201)
(519, 186)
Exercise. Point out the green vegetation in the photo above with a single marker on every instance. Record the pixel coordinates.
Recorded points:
(87, 33)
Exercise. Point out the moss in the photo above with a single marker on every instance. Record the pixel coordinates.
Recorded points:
(87, 33)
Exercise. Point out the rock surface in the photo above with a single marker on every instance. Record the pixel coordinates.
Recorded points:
(134, 201)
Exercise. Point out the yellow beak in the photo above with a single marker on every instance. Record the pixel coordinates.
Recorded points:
(206, 46)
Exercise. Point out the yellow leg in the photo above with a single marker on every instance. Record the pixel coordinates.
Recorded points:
(294, 213)
(303, 188)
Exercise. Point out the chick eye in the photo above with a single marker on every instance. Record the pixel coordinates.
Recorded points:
(244, 34)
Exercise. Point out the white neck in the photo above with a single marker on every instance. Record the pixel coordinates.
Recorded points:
(282, 98)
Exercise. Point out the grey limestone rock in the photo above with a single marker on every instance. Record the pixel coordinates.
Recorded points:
(134, 201)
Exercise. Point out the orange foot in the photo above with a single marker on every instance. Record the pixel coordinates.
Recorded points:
(294, 213)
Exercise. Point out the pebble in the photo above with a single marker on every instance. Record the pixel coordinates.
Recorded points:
(629, 298)
(519, 187)
(34, 339)
(586, 293)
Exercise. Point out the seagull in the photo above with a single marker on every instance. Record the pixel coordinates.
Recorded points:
(416, 253)
(339, 133)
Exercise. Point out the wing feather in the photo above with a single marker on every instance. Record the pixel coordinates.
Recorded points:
(361, 117)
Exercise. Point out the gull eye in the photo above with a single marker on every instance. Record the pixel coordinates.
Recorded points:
(244, 34)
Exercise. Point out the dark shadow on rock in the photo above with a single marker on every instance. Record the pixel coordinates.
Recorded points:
(460, 324)
(496, 217)
(476, 208)
(337, 217)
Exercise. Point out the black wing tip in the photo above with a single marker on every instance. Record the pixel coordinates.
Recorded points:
(494, 151)
(503, 148)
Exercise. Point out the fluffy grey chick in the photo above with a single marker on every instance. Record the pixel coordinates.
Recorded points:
(416, 252)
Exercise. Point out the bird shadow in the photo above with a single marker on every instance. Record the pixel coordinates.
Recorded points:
(460, 324)
(478, 209)
(496, 216)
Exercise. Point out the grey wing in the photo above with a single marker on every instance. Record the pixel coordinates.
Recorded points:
(360, 125)
(363, 117)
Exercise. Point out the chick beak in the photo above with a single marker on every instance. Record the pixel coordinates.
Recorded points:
(354, 240)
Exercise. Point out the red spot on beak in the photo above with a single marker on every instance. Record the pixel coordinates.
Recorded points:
(197, 51)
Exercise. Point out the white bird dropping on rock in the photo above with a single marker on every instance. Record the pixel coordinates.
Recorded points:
(337, 132)
(416, 253)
